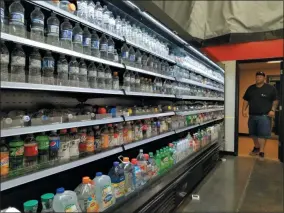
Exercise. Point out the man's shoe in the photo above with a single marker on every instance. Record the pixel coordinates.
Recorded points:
(261, 154)
(254, 152)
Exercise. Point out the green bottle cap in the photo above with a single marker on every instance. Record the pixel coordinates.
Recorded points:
(46, 197)
(31, 205)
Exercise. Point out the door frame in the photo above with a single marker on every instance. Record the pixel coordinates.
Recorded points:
(281, 114)
(237, 93)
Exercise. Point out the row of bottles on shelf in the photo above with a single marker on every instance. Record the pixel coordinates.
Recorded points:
(43, 149)
(124, 177)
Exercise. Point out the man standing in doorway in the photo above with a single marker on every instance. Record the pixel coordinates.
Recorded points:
(261, 99)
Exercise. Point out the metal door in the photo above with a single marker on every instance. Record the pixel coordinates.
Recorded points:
(281, 114)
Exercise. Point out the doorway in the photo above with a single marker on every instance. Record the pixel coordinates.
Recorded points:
(246, 76)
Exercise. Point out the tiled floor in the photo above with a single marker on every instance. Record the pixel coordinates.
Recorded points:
(240, 184)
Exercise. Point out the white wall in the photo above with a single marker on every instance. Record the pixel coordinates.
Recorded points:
(230, 96)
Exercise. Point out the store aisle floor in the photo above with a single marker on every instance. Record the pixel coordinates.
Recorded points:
(240, 184)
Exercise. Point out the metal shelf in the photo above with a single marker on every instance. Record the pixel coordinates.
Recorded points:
(200, 72)
(46, 5)
(188, 97)
(198, 111)
(148, 72)
(54, 170)
(149, 51)
(139, 117)
(44, 87)
(56, 126)
(29, 42)
(149, 94)
(148, 140)
(187, 81)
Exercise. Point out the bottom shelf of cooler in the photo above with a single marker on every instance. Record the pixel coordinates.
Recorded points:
(161, 194)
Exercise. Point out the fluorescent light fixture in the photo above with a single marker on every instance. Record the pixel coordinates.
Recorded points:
(132, 5)
(274, 62)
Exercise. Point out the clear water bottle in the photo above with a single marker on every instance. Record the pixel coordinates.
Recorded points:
(73, 72)
(111, 23)
(118, 25)
(115, 56)
(2, 16)
(124, 54)
(106, 15)
(137, 83)
(48, 69)
(52, 30)
(62, 71)
(126, 81)
(91, 11)
(86, 41)
(110, 49)
(83, 74)
(123, 27)
(66, 34)
(17, 19)
(132, 81)
(115, 81)
(37, 25)
(132, 56)
(4, 62)
(101, 77)
(144, 61)
(108, 78)
(103, 46)
(92, 75)
(35, 67)
(99, 14)
(82, 9)
(138, 58)
(95, 44)
(77, 39)
(150, 63)
(18, 62)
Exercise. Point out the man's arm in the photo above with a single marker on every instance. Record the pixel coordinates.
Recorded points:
(244, 109)
(274, 103)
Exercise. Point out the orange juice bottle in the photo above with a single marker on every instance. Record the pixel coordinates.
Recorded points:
(4, 155)
(105, 138)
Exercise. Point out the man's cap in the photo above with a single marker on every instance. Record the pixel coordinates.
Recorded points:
(260, 73)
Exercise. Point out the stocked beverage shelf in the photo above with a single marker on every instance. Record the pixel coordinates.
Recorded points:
(140, 117)
(187, 81)
(188, 97)
(198, 111)
(32, 43)
(48, 6)
(149, 94)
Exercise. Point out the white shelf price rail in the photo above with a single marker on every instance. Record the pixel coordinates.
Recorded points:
(149, 94)
(188, 97)
(140, 117)
(198, 111)
(188, 81)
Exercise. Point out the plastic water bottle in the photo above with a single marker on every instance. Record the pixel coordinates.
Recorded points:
(37, 25)
(103, 46)
(123, 27)
(132, 56)
(65, 201)
(18, 62)
(73, 72)
(17, 19)
(138, 59)
(35, 67)
(118, 25)
(124, 54)
(92, 75)
(83, 79)
(108, 78)
(77, 39)
(141, 162)
(111, 23)
(132, 81)
(62, 71)
(91, 12)
(52, 30)
(106, 15)
(86, 41)
(46, 201)
(101, 77)
(126, 81)
(116, 174)
(4, 62)
(66, 34)
(115, 81)
(128, 174)
(82, 9)
(95, 44)
(2, 16)
(110, 49)
(48, 69)
(137, 174)
(144, 61)
(99, 14)
(137, 83)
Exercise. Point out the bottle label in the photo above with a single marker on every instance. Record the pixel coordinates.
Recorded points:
(130, 135)
(4, 166)
(107, 196)
(37, 24)
(101, 74)
(18, 61)
(91, 12)
(66, 35)
(125, 55)
(99, 15)
(17, 18)
(35, 63)
(97, 143)
(90, 204)
(74, 70)
(43, 143)
(92, 73)
(74, 147)
(16, 151)
(52, 30)
(2, 15)
(132, 80)
(125, 136)
(127, 79)
(103, 47)
(71, 208)
(64, 150)
(105, 17)
(86, 42)
(31, 150)
(132, 58)
(54, 144)
(90, 144)
(119, 189)
(105, 141)
(62, 68)
(95, 44)
(110, 49)
(78, 38)
(137, 81)
(47, 63)
(83, 71)
(4, 58)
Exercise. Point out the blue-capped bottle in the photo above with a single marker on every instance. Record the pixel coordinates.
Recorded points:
(95, 44)
(77, 38)
(37, 25)
(48, 65)
(86, 41)
(66, 34)
(54, 144)
(52, 35)
(17, 19)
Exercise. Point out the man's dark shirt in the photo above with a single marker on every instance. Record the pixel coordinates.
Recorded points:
(260, 99)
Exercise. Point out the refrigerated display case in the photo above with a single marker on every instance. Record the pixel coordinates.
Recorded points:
(71, 110)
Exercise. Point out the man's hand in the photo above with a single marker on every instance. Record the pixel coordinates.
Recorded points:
(245, 113)
(271, 114)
